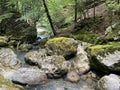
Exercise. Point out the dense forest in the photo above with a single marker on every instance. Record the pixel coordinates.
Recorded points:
(59, 44)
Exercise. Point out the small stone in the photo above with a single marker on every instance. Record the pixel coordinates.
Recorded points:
(73, 77)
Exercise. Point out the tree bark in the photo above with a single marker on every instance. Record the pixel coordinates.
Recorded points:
(75, 11)
(94, 11)
(49, 17)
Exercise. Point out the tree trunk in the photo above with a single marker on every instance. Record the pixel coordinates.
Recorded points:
(94, 11)
(49, 17)
(75, 11)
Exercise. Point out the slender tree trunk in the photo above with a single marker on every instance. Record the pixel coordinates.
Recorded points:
(75, 11)
(94, 13)
(49, 17)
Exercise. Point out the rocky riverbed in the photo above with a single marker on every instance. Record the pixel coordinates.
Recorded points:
(62, 64)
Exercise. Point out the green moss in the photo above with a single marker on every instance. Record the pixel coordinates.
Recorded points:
(87, 37)
(5, 83)
(61, 46)
(3, 40)
(101, 85)
(61, 43)
(101, 49)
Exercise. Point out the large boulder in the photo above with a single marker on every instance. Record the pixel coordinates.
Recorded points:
(54, 66)
(105, 57)
(8, 58)
(26, 75)
(33, 57)
(6, 84)
(66, 47)
(110, 82)
(80, 61)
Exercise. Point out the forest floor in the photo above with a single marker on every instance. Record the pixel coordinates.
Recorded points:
(100, 10)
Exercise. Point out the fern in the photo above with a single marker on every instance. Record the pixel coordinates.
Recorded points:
(4, 16)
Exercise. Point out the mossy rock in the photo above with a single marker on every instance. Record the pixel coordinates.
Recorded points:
(101, 49)
(88, 37)
(6, 84)
(3, 41)
(8, 58)
(105, 57)
(54, 66)
(62, 46)
(25, 47)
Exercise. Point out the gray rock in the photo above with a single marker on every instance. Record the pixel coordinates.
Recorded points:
(54, 66)
(81, 61)
(8, 58)
(111, 82)
(30, 76)
(73, 77)
(25, 47)
(33, 57)
(110, 62)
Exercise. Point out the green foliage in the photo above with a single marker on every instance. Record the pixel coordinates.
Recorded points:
(31, 10)
(112, 5)
(4, 16)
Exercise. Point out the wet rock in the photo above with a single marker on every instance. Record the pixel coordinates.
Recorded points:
(8, 58)
(3, 41)
(54, 66)
(73, 77)
(30, 76)
(81, 61)
(110, 82)
(25, 47)
(6, 84)
(66, 47)
(105, 58)
(33, 57)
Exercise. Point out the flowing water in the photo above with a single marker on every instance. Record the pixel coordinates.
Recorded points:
(61, 84)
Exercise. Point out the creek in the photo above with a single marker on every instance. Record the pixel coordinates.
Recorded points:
(57, 84)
